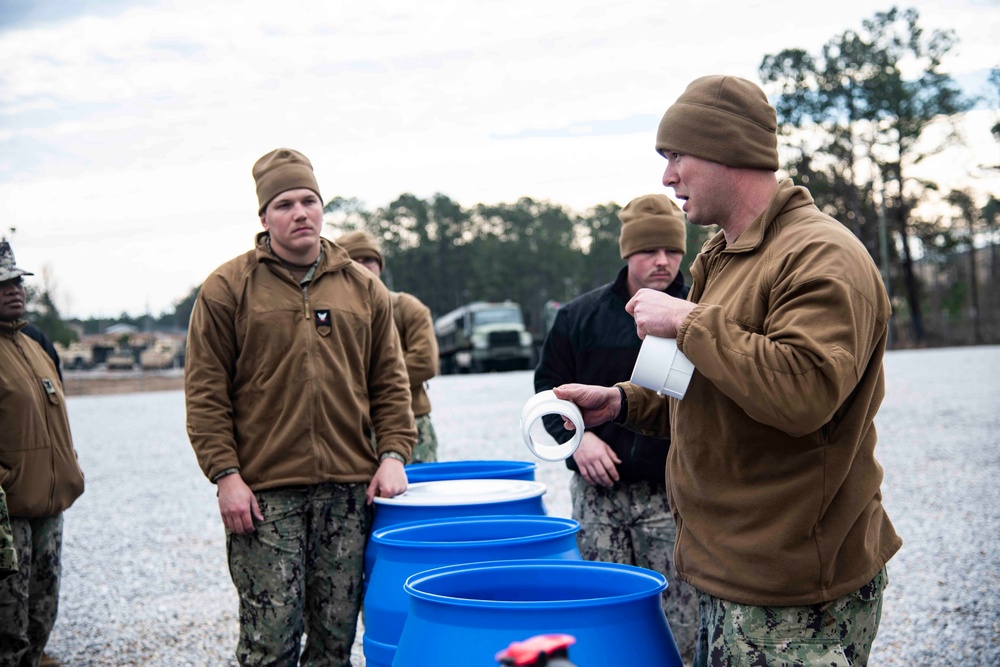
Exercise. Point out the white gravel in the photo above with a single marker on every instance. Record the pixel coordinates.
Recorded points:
(145, 578)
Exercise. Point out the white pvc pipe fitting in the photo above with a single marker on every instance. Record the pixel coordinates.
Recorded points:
(661, 367)
(546, 403)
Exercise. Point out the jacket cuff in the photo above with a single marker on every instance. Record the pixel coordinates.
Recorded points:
(222, 473)
(682, 332)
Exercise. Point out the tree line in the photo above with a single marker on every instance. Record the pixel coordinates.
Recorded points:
(852, 128)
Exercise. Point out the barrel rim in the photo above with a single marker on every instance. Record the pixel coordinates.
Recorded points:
(393, 536)
(656, 583)
(415, 496)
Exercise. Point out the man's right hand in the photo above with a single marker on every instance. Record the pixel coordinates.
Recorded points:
(237, 504)
(596, 461)
(597, 404)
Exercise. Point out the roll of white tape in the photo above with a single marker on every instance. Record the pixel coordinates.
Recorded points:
(546, 403)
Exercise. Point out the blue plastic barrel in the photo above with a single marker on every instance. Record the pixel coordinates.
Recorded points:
(482, 469)
(462, 615)
(449, 499)
(409, 548)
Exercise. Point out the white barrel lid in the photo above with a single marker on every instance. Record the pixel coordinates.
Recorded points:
(465, 492)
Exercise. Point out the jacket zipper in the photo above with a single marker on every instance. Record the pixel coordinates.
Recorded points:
(313, 342)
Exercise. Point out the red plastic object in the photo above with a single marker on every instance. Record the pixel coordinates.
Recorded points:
(528, 651)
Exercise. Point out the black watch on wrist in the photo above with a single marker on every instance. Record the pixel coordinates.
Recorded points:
(623, 411)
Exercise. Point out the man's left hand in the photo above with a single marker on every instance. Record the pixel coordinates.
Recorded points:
(596, 461)
(657, 313)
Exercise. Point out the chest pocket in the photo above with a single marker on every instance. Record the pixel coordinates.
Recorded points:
(736, 282)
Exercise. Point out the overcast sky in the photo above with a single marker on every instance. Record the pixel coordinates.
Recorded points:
(128, 129)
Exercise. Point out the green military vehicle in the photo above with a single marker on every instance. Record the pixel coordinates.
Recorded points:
(481, 337)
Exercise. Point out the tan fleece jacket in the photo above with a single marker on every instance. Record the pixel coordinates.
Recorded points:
(420, 349)
(771, 471)
(39, 470)
(289, 383)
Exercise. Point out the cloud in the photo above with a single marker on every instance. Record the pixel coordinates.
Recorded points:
(644, 123)
(137, 122)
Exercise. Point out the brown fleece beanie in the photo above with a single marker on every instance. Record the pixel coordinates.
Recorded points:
(651, 221)
(360, 245)
(724, 119)
(280, 170)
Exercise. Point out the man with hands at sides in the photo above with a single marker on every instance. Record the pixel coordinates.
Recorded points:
(293, 363)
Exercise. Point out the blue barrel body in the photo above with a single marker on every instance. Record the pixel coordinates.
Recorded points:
(462, 615)
(409, 548)
(450, 499)
(480, 469)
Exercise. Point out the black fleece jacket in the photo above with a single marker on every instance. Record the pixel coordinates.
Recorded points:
(593, 341)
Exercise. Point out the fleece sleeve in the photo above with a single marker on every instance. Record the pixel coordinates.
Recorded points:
(209, 365)
(794, 374)
(388, 384)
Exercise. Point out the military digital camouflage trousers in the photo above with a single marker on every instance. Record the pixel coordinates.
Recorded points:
(426, 449)
(29, 600)
(8, 554)
(632, 524)
(301, 572)
(834, 634)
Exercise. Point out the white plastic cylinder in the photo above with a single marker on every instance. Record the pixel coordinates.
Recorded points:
(662, 367)
(546, 403)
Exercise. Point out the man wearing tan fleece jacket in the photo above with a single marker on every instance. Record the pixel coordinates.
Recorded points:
(771, 470)
(416, 334)
(293, 363)
(39, 474)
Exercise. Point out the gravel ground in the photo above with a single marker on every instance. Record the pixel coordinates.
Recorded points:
(145, 579)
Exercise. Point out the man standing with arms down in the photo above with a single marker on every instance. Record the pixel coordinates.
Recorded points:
(416, 334)
(617, 487)
(39, 474)
(771, 471)
(292, 363)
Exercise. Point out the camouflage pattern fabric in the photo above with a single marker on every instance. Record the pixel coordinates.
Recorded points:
(631, 523)
(29, 600)
(836, 634)
(301, 572)
(425, 451)
(8, 554)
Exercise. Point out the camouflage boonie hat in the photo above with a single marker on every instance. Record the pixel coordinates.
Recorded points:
(8, 271)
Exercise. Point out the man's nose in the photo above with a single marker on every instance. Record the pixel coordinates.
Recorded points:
(669, 176)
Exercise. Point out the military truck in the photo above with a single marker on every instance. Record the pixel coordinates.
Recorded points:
(481, 336)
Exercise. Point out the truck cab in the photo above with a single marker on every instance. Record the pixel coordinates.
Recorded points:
(482, 336)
